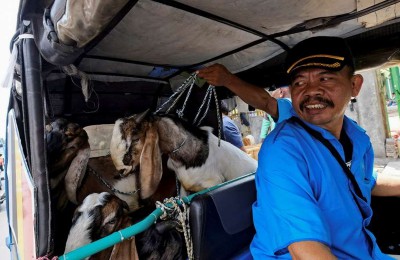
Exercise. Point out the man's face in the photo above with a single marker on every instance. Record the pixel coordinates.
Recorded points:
(320, 97)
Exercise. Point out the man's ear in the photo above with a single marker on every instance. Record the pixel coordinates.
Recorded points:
(356, 82)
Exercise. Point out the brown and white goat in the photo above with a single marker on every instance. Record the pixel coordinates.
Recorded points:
(75, 175)
(101, 214)
(66, 145)
(139, 140)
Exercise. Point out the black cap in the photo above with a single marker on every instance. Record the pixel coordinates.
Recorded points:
(331, 53)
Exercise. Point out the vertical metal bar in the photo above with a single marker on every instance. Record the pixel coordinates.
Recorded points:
(32, 80)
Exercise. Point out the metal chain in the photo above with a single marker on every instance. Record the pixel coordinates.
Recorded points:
(92, 171)
(179, 112)
(189, 83)
(176, 100)
(218, 114)
(179, 91)
(207, 97)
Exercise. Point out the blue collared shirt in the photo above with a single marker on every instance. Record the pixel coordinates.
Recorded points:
(231, 132)
(304, 195)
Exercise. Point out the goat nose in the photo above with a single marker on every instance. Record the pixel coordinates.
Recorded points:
(49, 128)
(124, 172)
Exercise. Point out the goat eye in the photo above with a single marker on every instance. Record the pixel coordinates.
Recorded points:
(135, 140)
(111, 222)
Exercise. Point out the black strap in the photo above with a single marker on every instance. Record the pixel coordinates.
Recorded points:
(337, 156)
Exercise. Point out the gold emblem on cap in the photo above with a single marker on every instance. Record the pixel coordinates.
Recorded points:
(333, 65)
(317, 64)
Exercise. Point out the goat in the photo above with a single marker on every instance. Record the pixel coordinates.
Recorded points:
(101, 214)
(139, 140)
(74, 175)
(66, 144)
(162, 241)
(78, 176)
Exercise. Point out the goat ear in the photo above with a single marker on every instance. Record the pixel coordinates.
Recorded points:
(124, 249)
(76, 173)
(150, 164)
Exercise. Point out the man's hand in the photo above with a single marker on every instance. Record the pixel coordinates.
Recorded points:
(216, 75)
(310, 250)
(387, 184)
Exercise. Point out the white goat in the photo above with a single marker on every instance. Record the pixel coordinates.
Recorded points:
(138, 142)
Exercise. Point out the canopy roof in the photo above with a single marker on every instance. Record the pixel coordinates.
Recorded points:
(157, 40)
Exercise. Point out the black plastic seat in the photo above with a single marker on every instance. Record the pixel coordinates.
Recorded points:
(221, 221)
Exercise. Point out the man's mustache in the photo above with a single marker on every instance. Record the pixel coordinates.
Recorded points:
(319, 99)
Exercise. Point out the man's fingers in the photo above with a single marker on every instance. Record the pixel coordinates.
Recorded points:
(214, 74)
(205, 71)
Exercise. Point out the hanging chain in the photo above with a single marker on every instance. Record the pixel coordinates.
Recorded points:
(189, 83)
(207, 97)
(218, 114)
(179, 112)
(180, 91)
(108, 185)
(176, 100)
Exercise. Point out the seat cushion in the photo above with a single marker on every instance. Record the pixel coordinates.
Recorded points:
(221, 220)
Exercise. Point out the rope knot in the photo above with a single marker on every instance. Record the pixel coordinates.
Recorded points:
(177, 209)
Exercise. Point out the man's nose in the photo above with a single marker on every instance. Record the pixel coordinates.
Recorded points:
(314, 88)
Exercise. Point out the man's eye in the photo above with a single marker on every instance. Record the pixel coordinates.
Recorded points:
(298, 83)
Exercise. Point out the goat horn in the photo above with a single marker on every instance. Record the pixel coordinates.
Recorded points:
(141, 116)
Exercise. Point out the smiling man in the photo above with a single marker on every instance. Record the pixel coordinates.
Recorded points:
(311, 204)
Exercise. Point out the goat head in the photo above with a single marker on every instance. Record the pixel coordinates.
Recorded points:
(63, 142)
(134, 148)
(99, 215)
